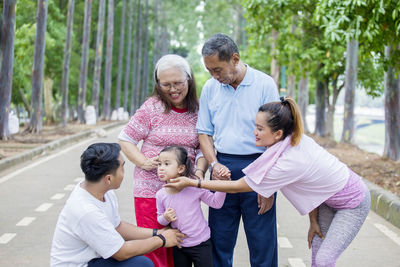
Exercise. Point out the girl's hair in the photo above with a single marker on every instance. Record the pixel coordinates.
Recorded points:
(179, 63)
(284, 115)
(182, 158)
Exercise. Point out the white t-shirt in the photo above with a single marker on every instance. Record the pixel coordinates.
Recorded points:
(86, 229)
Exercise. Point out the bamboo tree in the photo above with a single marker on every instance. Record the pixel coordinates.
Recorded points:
(84, 62)
(107, 76)
(35, 124)
(67, 56)
(6, 72)
(120, 58)
(98, 59)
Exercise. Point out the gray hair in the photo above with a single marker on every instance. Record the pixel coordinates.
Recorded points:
(173, 61)
(221, 44)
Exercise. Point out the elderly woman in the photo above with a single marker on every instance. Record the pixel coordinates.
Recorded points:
(167, 118)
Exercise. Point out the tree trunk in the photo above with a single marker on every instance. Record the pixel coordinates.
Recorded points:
(6, 73)
(137, 60)
(274, 63)
(25, 101)
(164, 35)
(98, 59)
(291, 86)
(330, 119)
(48, 100)
(392, 111)
(320, 106)
(303, 100)
(107, 76)
(120, 58)
(128, 56)
(84, 62)
(145, 86)
(157, 36)
(67, 57)
(35, 124)
(350, 85)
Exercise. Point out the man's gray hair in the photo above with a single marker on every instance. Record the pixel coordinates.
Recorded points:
(221, 44)
(173, 61)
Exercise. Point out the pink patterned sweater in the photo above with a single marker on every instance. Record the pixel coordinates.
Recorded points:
(158, 130)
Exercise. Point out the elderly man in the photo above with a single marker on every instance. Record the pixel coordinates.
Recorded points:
(228, 105)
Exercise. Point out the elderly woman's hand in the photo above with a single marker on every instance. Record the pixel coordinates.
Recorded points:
(149, 164)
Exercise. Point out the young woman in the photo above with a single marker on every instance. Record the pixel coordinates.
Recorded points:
(313, 180)
(181, 208)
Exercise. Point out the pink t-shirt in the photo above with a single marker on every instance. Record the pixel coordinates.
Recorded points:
(187, 208)
(306, 174)
(158, 130)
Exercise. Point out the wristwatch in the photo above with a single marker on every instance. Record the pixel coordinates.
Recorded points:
(213, 163)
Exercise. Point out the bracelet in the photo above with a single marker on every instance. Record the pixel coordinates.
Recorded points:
(213, 163)
(155, 231)
(199, 184)
(163, 239)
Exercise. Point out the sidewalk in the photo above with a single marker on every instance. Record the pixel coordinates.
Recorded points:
(383, 202)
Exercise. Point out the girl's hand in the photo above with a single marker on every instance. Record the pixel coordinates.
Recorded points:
(150, 163)
(180, 182)
(314, 230)
(170, 215)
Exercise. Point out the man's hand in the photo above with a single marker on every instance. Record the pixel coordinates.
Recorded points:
(220, 172)
(264, 204)
(314, 230)
(173, 238)
(170, 215)
(149, 164)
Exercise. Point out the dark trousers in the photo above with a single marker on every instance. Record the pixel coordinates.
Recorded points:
(200, 255)
(138, 261)
(224, 223)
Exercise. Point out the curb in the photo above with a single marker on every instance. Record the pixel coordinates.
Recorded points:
(384, 203)
(29, 155)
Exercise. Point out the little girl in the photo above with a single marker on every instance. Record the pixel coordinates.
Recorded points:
(182, 209)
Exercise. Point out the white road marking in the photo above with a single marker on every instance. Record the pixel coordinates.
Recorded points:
(26, 221)
(65, 150)
(284, 242)
(5, 238)
(296, 262)
(57, 196)
(44, 207)
(69, 187)
(389, 233)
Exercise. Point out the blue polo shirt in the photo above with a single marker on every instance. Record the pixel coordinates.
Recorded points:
(229, 115)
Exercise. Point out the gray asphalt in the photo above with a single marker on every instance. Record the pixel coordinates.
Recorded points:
(45, 183)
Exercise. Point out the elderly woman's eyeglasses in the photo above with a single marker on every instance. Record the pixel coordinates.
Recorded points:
(176, 85)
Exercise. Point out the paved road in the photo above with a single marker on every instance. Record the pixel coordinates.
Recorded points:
(33, 195)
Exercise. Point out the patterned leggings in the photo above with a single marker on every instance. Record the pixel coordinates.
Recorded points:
(339, 227)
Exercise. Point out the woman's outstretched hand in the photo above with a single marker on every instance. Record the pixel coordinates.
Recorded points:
(179, 183)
